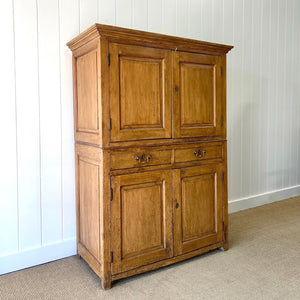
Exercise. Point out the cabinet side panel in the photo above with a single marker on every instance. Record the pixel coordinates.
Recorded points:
(89, 205)
(88, 199)
(87, 108)
(87, 105)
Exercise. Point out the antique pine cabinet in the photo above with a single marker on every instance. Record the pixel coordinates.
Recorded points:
(150, 143)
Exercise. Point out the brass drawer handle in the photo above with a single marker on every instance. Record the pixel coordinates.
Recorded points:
(199, 153)
(143, 159)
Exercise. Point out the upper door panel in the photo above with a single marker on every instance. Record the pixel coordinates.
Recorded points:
(140, 92)
(197, 95)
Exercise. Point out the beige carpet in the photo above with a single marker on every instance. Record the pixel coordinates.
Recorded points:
(263, 262)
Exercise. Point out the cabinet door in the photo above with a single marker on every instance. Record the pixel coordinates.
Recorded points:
(198, 207)
(140, 92)
(198, 95)
(141, 219)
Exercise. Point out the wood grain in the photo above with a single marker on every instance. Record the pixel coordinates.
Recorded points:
(141, 219)
(206, 152)
(140, 92)
(129, 159)
(87, 98)
(199, 214)
(197, 105)
(165, 262)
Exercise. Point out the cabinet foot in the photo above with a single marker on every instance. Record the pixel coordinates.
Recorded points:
(225, 247)
(106, 284)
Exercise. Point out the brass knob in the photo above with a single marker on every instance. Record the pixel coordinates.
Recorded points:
(143, 159)
(199, 153)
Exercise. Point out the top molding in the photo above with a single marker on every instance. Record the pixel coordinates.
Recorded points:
(137, 37)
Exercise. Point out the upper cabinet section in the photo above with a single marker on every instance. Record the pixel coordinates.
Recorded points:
(133, 86)
(140, 92)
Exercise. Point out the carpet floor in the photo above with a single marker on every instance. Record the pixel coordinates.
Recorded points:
(263, 262)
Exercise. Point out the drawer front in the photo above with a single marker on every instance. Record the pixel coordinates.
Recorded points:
(140, 159)
(202, 152)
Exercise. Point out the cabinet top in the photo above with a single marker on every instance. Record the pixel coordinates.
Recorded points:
(137, 37)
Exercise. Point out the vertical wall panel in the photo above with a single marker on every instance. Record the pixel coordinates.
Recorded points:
(155, 16)
(217, 34)
(88, 13)
(169, 17)
(124, 13)
(296, 90)
(289, 78)
(194, 21)
(182, 18)
(50, 120)
(69, 23)
(270, 67)
(247, 91)
(107, 12)
(8, 162)
(296, 86)
(228, 34)
(264, 112)
(206, 20)
(237, 111)
(271, 172)
(28, 133)
(140, 14)
(280, 92)
(255, 100)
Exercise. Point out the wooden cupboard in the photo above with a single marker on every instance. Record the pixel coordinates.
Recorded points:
(150, 134)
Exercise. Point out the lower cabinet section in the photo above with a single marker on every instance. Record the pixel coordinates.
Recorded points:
(146, 206)
(135, 219)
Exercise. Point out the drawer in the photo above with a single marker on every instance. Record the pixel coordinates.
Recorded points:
(140, 159)
(202, 152)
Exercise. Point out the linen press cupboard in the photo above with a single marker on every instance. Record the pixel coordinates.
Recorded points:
(150, 134)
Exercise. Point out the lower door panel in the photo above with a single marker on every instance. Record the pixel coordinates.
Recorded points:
(198, 207)
(141, 219)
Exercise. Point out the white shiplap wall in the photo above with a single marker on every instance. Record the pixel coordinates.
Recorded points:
(37, 199)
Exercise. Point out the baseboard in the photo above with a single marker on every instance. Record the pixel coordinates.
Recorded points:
(32, 257)
(261, 199)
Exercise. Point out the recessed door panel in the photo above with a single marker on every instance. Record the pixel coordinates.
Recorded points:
(198, 201)
(141, 219)
(197, 95)
(140, 99)
(198, 214)
(140, 92)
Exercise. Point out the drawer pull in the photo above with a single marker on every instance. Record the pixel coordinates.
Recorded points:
(143, 159)
(200, 153)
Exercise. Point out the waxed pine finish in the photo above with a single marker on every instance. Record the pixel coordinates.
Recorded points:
(151, 161)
